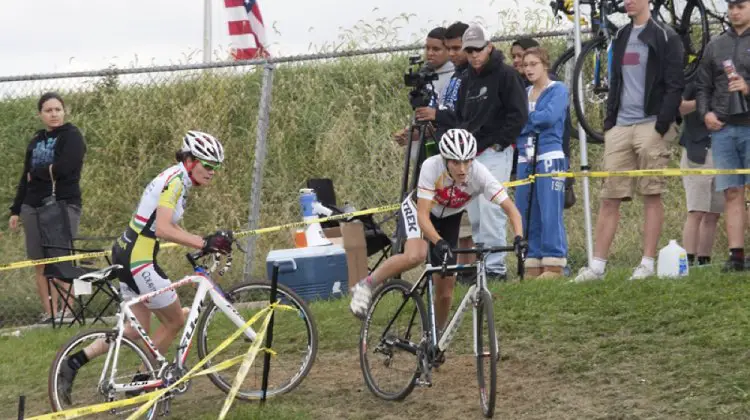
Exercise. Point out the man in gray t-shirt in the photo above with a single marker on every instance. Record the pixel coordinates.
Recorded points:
(634, 63)
(645, 92)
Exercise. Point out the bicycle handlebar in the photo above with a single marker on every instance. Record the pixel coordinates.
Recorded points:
(194, 256)
(488, 250)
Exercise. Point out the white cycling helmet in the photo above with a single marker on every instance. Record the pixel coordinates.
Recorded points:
(458, 144)
(203, 146)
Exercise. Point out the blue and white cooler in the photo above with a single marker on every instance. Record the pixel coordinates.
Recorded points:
(318, 272)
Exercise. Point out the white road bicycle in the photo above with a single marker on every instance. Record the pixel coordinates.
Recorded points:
(127, 370)
(399, 342)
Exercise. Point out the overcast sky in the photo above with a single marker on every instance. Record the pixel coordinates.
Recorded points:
(49, 36)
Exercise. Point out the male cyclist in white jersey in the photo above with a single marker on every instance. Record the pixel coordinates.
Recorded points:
(156, 218)
(447, 183)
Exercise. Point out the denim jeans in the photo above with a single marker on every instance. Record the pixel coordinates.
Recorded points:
(730, 147)
(488, 220)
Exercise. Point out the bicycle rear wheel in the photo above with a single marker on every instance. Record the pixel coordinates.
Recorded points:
(295, 340)
(391, 333)
(689, 19)
(592, 70)
(486, 351)
(87, 389)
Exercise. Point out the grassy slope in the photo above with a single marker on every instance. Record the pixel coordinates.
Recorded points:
(329, 119)
(615, 349)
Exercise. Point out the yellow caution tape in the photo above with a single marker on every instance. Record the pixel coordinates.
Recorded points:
(244, 368)
(644, 172)
(238, 234)
(393, 207)
(151, 398)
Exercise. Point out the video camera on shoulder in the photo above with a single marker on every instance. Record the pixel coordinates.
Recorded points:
(420, 80)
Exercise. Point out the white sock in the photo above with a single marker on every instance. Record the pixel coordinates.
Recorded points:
(648, 262)
(598, 265)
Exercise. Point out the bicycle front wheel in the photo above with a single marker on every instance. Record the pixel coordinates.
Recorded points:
(486, 351)
(91, 384)
(391, 334)
(295, 340)
(592, 75)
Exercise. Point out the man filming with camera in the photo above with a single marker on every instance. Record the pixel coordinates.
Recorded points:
(491, 104)
(438, 69)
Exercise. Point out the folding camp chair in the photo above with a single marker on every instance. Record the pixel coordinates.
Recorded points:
(57, 241)
(376, 239)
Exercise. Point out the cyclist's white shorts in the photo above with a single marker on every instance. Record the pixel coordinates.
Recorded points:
(148, 280)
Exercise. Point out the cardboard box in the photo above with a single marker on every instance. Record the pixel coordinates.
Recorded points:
(351, 236)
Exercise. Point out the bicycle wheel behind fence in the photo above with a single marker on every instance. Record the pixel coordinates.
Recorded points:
(389, 338)
(87, 389)
(295, 340)
(486, 353)
(593, 68)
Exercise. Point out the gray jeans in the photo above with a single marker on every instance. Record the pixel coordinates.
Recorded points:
(30, 219)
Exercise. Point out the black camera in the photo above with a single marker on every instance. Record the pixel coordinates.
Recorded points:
(421, 80)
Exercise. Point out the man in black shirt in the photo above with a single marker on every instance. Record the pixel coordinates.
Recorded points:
(704, 203)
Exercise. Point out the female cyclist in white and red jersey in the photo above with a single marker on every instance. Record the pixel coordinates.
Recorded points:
(447, 183)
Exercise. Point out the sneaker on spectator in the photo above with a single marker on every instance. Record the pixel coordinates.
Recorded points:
(587, 274)
(731, 265)
(641, 272)
(44, 318)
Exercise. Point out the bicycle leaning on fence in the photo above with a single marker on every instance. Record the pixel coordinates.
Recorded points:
(114, 376)
(398, 326)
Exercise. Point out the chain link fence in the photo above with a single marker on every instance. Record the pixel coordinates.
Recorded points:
(282, 122)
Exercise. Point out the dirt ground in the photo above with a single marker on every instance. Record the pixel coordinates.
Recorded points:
(335, 389)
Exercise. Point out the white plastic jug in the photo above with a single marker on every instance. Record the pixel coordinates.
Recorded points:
(672, 261)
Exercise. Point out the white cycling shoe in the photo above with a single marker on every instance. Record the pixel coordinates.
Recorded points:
(361, 299)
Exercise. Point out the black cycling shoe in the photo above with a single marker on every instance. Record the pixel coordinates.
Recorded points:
(138, 377)
(65, 381)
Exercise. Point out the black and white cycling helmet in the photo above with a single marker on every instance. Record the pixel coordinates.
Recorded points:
(458, 144)
(203, 146)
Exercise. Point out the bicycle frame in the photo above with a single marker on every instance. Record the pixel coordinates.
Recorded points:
(206, 287)
(425, 284)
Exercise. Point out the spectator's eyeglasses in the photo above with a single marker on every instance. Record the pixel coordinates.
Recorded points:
(211, 166)
(472, 50)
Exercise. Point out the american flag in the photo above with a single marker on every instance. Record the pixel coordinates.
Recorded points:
(246, 29)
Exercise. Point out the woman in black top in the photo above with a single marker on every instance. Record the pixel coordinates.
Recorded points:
(55, 151)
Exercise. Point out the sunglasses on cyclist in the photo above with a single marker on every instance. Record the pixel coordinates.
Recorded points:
(211, 166)
(472, 50)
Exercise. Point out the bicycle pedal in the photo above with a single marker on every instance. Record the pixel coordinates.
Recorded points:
(424, 383)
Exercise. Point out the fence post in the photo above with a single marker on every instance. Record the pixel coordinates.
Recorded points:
(264, 111)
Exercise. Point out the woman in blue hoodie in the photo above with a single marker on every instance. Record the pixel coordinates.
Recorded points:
(541, 142)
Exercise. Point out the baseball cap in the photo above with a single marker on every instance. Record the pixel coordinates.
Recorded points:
(474, 37)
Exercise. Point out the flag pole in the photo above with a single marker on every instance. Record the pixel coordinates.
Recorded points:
(207, 31)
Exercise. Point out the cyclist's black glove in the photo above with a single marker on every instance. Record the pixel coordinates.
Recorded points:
(520, 245)
(221, 242)
(442, 250)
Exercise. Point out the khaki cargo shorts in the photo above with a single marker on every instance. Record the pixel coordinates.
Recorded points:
(700, 190)
(634, 147)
